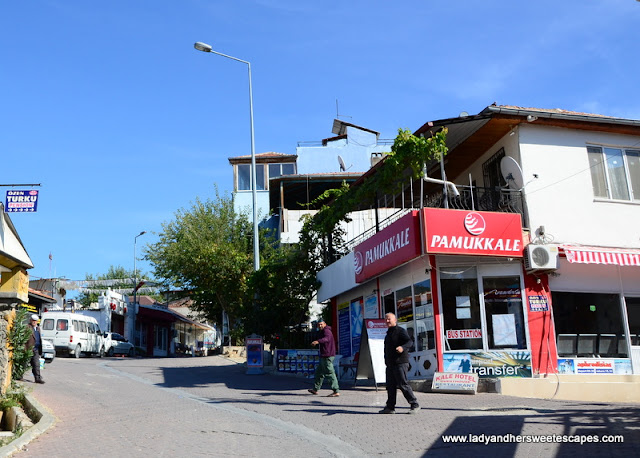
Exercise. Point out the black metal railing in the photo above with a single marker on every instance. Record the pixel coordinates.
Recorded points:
(476, 199)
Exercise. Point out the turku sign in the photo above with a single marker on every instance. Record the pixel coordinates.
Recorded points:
(21, 201)
(472, 233)
(389, 248)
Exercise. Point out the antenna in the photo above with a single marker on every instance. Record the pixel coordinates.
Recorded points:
(512, 173)
(341, 162)
(338, 115)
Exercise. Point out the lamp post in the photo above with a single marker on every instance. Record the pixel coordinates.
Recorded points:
(135, 271)
(256, 247)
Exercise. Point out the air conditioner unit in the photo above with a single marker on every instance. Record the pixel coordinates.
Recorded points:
(540, 258)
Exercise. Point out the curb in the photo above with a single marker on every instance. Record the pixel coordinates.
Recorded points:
(44, 421)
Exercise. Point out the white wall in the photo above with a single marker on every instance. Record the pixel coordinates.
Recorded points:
(355, 151)
(562, 197)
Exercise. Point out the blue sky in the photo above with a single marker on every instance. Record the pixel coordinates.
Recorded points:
(110, 108)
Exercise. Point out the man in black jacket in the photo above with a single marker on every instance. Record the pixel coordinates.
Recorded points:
(396, 357)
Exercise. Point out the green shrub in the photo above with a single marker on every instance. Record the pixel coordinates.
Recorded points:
(18, 337)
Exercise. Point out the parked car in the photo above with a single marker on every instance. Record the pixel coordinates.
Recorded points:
(116, 344)
(48, 351)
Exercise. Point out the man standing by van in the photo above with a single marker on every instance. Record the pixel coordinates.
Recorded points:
(35, 343)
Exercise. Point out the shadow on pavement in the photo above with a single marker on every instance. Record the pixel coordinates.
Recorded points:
(575, 425)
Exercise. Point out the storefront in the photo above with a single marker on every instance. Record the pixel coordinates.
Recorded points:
(455, 281)
(152, 329)
(596, 302)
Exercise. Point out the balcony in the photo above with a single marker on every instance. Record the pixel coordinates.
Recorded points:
(472, 199)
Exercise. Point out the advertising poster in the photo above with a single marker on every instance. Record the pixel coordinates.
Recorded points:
(538, 303)
(490, 363)
(371, 307)
(357, 319)
(254, 352)
(344, 330)
(299, 362)
(371, 362)
(455, 382)
(595, 366)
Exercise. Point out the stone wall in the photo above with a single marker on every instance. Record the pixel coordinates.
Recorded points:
(6, 319)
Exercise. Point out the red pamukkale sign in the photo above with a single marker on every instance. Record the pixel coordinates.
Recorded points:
(389, 248)
(472, 233)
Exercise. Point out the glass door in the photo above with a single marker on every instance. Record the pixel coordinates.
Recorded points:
(504, 313)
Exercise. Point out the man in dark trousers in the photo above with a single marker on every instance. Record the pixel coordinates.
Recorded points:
(396, 356)
(325, 368)
(35, 343)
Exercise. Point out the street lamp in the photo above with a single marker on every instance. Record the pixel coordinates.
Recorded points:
(256, 247)
(135, 271)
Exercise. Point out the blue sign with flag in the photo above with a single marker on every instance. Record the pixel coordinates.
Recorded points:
(21, 201)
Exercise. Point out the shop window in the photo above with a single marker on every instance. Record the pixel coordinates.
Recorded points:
(425, 337)
(633, 314)
(593, 320)
(503, 309)
(461, 308)
(389, 304)
(404, 307)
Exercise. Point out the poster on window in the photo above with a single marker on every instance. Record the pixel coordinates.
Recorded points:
(595, 366)
(504, 330)
(357, 319)
(344, 330)
(371, 307)
(489, 363)
(405, 309)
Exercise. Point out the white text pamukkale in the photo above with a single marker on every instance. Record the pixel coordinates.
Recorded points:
(475, 243)
(386, 247)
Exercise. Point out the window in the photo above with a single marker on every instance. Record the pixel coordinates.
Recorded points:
(491, 172)
(62, 325)
(47, 325)
(615, 172)
(243, 182)
(594, 321)
(461, 308)
(503, 308)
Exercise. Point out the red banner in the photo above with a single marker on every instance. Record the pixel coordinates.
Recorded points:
(389, 248)
(472, 233)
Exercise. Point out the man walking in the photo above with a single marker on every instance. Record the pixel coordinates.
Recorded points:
(35, 343)
(325, 368)
(396, 357)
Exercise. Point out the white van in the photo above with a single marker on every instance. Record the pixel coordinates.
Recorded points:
(72, 333)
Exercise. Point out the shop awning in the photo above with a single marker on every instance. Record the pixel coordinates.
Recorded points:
(601, 255)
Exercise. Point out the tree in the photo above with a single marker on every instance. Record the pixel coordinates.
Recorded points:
(207, 252)
(282, 290)
(122, 280)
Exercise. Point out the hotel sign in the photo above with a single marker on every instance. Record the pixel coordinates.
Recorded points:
(472, 233)
(389, 248)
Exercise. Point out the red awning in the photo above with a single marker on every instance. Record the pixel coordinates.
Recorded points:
(602, 255)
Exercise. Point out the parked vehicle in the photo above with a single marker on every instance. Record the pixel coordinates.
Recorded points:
(48, 351)
(72, 333)
(116, 344)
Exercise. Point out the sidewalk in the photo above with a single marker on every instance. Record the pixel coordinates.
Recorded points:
(269, 415)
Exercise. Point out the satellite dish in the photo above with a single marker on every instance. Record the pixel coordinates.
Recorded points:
(463, 114)
(512, 173)
(341, 162)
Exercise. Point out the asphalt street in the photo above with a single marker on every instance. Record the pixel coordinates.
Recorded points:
(209, 406)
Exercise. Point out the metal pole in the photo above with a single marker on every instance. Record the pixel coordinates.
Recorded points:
(256, 242)
(135, 276)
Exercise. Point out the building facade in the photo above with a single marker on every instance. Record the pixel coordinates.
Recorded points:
(530, 266)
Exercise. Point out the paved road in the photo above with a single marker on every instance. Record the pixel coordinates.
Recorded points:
(209, 407)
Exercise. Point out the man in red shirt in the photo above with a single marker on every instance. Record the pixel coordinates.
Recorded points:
(325, 368)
